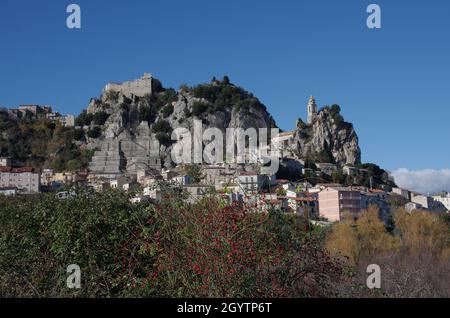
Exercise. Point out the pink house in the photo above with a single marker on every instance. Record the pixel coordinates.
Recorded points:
(333, 202)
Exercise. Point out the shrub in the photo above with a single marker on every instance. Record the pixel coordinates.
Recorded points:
(162, 126)
(146, 113)
(167, 111)
(84, 119)
(224, 94)
(210, 249)
(100, 118)
(199, 108)
(78, 134)
(163, 131)
(95, 132)
(157, 86)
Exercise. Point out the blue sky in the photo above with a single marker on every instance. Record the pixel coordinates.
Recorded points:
(392, 83)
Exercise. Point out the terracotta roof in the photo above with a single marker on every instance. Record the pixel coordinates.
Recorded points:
(17, 170)
(377, 191)
(248, 173)
(303, 199)
(7, 188)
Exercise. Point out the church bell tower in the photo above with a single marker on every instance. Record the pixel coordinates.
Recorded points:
(312, 109)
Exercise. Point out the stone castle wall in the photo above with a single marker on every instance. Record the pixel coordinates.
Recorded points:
(139, 87)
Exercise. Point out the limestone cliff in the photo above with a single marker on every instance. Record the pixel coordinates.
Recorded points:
(135, 122)
(328, 138)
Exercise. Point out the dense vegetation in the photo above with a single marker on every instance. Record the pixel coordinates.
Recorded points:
(414, 256)
(222, 94)
(163, 131)
(208, 249)
(42, 143)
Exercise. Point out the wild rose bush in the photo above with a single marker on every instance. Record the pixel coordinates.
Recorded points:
(173, 249)
(212, 249)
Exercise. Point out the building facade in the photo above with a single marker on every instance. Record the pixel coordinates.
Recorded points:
(5, 162)
(444, 199)
(334, 202)
(26, 180)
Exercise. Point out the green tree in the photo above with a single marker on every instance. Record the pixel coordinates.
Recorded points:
(100, 118)
(167, 111)
(94, 132)
(195, 172)
(84, 119)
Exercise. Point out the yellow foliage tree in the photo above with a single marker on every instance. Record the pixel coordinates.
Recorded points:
(366, 236)
(423, 230)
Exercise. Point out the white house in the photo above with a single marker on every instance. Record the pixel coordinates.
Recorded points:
(252, 182)
(152, 193)
(8, 191)
(5, 162)
(444, 199)
(121, 183)
(182, 179)
(26, 179)
(327, 168)
(402, 192)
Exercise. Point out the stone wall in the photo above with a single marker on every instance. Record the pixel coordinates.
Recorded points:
(139, 87)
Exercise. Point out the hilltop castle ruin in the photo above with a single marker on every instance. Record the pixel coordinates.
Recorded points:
(139, 87)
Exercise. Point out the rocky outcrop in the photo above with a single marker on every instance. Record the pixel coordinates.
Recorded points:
(137, 131)
(135, 122)
(327, 139)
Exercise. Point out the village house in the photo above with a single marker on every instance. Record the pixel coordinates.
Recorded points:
(121, 183)
(402, 192)
(168, 174)
(153, 193)
(47, 177)
(34, 111)
(376, 198)
(286, 185)
(148, 177)
(218, 176)
(5, 161)
(253, 182)
(327, 168)
(64, 177)
(25, 179)
(8, 191)
(444, 199)
(322, 186)
(350, 170)
(182, 179)
(283, 142)
(411, 206)
(232, 196)
(226, 180)
(305, 205)
(334, 202)
(272, 200)
(100, 185)
(426, 202)
(197, 191)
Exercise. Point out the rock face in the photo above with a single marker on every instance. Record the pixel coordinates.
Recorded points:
(327, 139)
(137, 131)
(140, 116)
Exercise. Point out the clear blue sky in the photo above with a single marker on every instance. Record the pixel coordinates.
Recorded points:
(393, 83)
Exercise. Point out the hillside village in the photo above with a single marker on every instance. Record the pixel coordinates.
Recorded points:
(321, 176)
